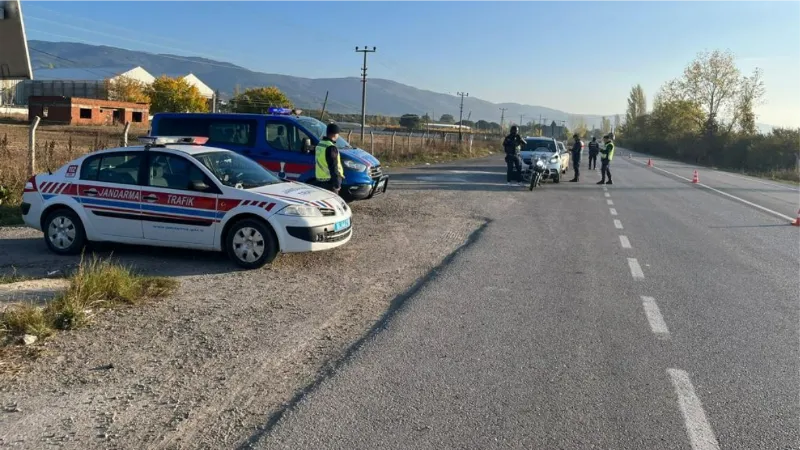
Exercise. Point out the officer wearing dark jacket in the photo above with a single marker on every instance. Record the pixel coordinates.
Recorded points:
(329, 171)
(576, 157)
(594, 149)
(512, 144)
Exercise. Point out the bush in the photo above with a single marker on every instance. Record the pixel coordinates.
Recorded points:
(96, 284)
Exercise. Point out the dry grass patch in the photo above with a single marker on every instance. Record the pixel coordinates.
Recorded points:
(94, 285)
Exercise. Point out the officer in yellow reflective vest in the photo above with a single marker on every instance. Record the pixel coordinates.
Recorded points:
(606, 155)
(327, 156)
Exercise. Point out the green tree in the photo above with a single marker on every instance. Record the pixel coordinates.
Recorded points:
(410, 121)
(447, 118)
(175, 95)
(605, 125)
(617, 122)
(637, 104)
(259, 100)
(751, 93)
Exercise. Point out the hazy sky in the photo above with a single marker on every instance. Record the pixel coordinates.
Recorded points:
(580, 57)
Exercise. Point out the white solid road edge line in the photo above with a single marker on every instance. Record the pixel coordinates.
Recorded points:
(701, 436)
(613, 211)
(623, 240)
(655, 318)
(766, 210)
(618, 224)
(636, 269)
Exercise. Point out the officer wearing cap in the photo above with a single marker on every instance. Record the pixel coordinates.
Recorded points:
(327, 156)
(606, 155)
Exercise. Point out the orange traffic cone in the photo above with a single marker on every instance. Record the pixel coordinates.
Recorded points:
(797, 220)
(695, 177)
(649, 162)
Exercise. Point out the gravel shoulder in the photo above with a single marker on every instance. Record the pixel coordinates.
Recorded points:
(208, 366)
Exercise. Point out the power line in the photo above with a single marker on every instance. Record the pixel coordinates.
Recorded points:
(365, 50)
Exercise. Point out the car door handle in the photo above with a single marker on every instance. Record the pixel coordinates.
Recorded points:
(150, 198)
(90, 192)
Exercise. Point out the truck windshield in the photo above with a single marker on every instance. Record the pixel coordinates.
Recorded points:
(318, 129)
(235, 170)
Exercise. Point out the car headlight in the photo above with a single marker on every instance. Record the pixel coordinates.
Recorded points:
(302, 211)
(358, 167)
(554, 160)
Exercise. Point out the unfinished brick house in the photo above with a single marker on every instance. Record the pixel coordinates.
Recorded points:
(86, 111)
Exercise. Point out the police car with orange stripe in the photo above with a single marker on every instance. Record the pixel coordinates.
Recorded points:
(176, 192)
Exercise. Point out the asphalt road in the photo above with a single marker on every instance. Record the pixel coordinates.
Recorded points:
(655, 314)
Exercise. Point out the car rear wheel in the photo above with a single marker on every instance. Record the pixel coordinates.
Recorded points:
(251, 244)
(63, 232)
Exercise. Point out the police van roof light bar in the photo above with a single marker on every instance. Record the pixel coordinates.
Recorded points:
(284, 111)
(161, 141)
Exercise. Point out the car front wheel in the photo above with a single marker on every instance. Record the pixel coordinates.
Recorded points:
(251, 244)
(63, 232)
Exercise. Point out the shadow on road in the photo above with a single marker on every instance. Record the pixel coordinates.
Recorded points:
(31, 257)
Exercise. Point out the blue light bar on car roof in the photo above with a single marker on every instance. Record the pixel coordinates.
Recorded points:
(280, 111)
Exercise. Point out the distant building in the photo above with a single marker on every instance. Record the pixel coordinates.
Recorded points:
(84, 83)
(86, 111)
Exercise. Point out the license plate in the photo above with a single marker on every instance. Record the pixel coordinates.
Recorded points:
(342, 225)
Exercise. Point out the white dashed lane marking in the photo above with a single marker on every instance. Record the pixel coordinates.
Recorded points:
(636, 269)
(655, 318)
(701, 436)
(618, 224)
(607, 194)
(623, 240)
(610, 202)
(613, 211)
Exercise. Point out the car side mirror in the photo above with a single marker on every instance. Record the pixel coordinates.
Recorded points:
(199, 186)
(307, 147)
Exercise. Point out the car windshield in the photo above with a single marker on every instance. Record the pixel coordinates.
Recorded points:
(539, 145)
(236, 171)
(318, 129)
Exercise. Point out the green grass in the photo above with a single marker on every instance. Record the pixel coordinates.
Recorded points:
(97, 284)
(10, 215)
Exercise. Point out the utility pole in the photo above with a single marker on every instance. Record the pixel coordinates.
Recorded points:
(324, 104)
(502, 116)
(520, 122)
(461, 113)
(365, 50)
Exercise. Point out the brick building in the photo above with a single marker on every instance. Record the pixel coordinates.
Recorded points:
(86, 111)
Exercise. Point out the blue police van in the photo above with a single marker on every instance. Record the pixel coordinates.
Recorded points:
(282, 141)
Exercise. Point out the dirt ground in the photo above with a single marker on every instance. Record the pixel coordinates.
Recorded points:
(211, 365)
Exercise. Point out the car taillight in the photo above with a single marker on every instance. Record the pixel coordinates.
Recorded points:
(30, 185)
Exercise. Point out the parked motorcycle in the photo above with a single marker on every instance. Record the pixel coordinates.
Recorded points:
(534, 173)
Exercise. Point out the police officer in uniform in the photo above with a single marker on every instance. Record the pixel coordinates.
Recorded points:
(327, 157)
(606, 155)
(594, 149)
(576, 157)
(512, 144)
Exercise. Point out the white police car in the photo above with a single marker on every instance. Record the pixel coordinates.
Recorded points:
(173, 193)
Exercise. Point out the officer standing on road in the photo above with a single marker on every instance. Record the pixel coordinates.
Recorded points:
(606, 155)
(594, 149)
(577, 146)
(513, 144)
(327, 156)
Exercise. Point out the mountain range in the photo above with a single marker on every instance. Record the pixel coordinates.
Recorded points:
(384, 97)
